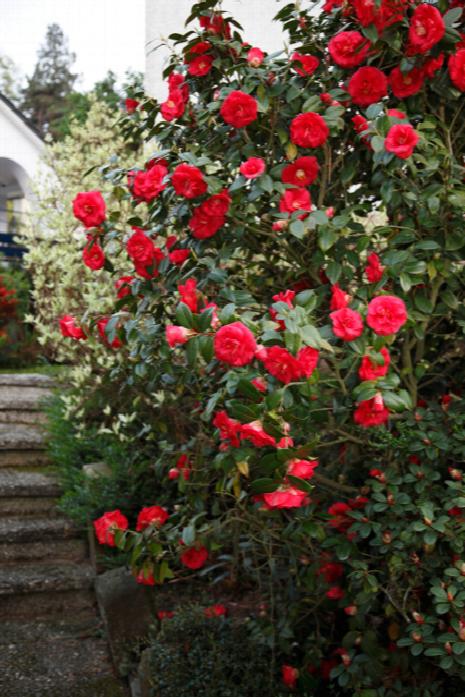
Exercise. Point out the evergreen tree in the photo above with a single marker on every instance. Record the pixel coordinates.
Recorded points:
(46, 93)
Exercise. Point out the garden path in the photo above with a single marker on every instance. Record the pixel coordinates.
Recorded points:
(51, 640)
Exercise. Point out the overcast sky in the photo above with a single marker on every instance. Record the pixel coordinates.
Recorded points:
(104, 34)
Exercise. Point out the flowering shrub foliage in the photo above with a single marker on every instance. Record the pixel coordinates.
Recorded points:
(303, 366)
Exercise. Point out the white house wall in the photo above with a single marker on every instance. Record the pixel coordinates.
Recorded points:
(19, 143)
(165, 17)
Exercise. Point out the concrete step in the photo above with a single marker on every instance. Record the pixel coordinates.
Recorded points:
(21, 437)
(50, 660)
(33, 552)
(16, 416)
(23, 398)
(26, 379)
(58, 605)
(27, 483)
(23, 458)
(45, 578)
(27, 506)
(16, 530)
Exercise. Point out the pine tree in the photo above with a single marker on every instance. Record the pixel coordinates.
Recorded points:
(9, 79)
(46, 92)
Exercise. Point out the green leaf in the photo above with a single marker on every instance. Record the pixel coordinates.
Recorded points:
(297, 229)
(263, 486)
(184, 316)
(326, 238)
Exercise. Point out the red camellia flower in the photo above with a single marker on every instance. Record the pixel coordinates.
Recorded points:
(101, 327)
(294, 200)
(367, 86)
(252, 168)
(401, 140)
(174, 106)
(309, 130)
(426, 28)
(145, 577)
(176, 335)
(200, 66)
(335, 593)
(131, 105)
(147, 185)
(374, 271)
(239, 109)
(234, 344)
(189, 294)
(165, 614)
(331, 572)
(289, 676)
(229, 429)
(406, 84)
(151, 515)
(194, 557)
(307, 359)
(304, 65)
(188, 181)
(217, 610)
(382, 15)
(215, 24)
(348, 48)
(457, 69)
(340, 519)
(347, 324)
(281, 364)
(370, 370)
(396, 114)
(255, 57)
(218, 204)
(123, 286)
(256, 434)
(371, 412)
(302, 172)
(89, 208)
(107, 525)
(386, 314)
(93, 256)
(69, 328)
(432, 65)
(360, 123)
(210, 216)
(285, 497)
(140, 248)
(179, 256)
(339, 298)
(304, 469)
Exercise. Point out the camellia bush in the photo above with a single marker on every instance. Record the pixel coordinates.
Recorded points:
(295, 319)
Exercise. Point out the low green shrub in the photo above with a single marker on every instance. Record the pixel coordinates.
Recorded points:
(193, 654)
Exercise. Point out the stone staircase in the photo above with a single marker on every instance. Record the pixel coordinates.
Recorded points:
(51, 639)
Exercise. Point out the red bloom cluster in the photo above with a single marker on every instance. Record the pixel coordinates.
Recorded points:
(143, 253)
(374, 270)
(89, 208)
(239, 109)
(188, 181)
(151, 515)
(309, 130)
(303, 64)
(210, 216)
(288, 368)
(70, 329)
(178, 96)
(93, 255)
(147, 184)
(371, 412)
(108, 524)
(200, 64)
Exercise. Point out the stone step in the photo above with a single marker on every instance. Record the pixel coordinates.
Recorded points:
(23, 458)
(26, 379)
(33, 552)
(16, 530)
(16, 416)
(21, 437)
(59, 605)
(50, 660)
(45, 578)
(27, 506)
(23, 398)
(27, 483)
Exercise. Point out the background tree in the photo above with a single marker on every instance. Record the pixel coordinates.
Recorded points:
(47, 90)
(10, 79)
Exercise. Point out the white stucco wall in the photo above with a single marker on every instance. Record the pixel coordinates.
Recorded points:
(164, 17)
(18, 144)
